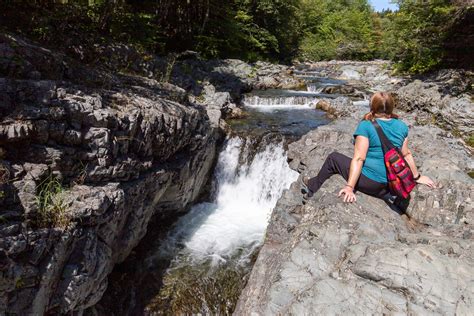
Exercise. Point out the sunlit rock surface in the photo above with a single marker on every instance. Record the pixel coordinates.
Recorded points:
(328, 257)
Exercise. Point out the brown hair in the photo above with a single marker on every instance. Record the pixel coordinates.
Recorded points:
(381, 103)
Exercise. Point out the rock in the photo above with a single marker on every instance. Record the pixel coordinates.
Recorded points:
(234, 112)
(340, 89)
(453, 113)
(271, 76)
(232, 76)
(327, 257)
(340, 107)
(349, 73)
(110, 157)
(371, 75)
(219, 102)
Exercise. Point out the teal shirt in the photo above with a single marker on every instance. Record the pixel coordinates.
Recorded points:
(395, 130)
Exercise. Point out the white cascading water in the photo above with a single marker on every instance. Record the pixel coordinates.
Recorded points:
(281, 101)
(234, 224)
(315, 88)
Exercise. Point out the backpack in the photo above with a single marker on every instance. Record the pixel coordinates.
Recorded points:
(399, 174)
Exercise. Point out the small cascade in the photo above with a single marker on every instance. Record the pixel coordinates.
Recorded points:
(315, 87)
(211, 248)
(247, 189)
(283, 100)
(307, 74)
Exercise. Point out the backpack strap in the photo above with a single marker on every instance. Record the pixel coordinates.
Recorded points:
(386, 144)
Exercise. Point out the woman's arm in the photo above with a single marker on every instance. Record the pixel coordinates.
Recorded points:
(360, 152)
(409, 158)
(411, 163)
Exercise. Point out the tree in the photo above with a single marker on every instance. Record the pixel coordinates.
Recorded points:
(340, 29)
(414, 35)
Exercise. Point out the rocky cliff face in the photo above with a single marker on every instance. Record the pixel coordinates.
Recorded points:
(327, 257)
(84, 168)
(90, 155)
(443, 99)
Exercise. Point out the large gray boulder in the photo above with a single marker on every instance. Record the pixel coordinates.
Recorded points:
(326, 257)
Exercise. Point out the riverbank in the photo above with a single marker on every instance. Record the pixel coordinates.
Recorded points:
(327, 257)
(91, 157)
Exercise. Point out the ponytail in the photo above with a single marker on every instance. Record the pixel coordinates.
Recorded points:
(371, 116)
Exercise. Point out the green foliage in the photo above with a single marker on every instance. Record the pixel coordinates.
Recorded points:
(470, 140)
(337, 30)
(53, 210)
(250, 30)
(413, 36)
(262, 29)
(275, 30)
(19, 283)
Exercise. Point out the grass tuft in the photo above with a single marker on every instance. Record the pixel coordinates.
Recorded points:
(50, 199)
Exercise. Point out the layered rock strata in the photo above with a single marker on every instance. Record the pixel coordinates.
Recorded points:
(84, 168)
(450, 111)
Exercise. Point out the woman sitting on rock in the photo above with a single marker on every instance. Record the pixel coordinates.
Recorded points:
(366, 171)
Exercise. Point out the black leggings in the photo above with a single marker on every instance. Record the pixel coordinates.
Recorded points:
(339, 163)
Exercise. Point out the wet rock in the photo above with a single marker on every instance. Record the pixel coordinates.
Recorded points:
(271, 76)
(234, 112)
(327, 257)
(219, 102)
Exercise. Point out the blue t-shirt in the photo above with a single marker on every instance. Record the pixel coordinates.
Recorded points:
(395, 130)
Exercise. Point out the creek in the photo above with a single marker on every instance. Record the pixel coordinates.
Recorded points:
(202, 264)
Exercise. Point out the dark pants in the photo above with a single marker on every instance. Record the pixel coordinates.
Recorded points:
(339, 163)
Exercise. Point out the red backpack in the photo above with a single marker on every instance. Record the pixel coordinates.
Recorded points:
(399, 175)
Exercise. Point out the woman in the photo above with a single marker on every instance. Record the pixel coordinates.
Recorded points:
(366, 171)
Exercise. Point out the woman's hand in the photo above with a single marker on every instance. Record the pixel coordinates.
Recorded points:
(426, 181)
(348, 193)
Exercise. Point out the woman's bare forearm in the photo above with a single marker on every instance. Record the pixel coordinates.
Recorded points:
(411, 163)
(360, 152)
(354, 171)
(409, 158)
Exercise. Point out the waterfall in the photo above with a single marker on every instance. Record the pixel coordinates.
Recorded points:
(278, 101)
(234, 223)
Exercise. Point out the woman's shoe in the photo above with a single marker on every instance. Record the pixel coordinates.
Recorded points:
(307, 193)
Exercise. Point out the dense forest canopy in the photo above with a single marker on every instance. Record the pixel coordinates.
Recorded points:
(276, 30)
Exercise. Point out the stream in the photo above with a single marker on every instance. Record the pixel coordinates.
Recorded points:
(202, 264)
